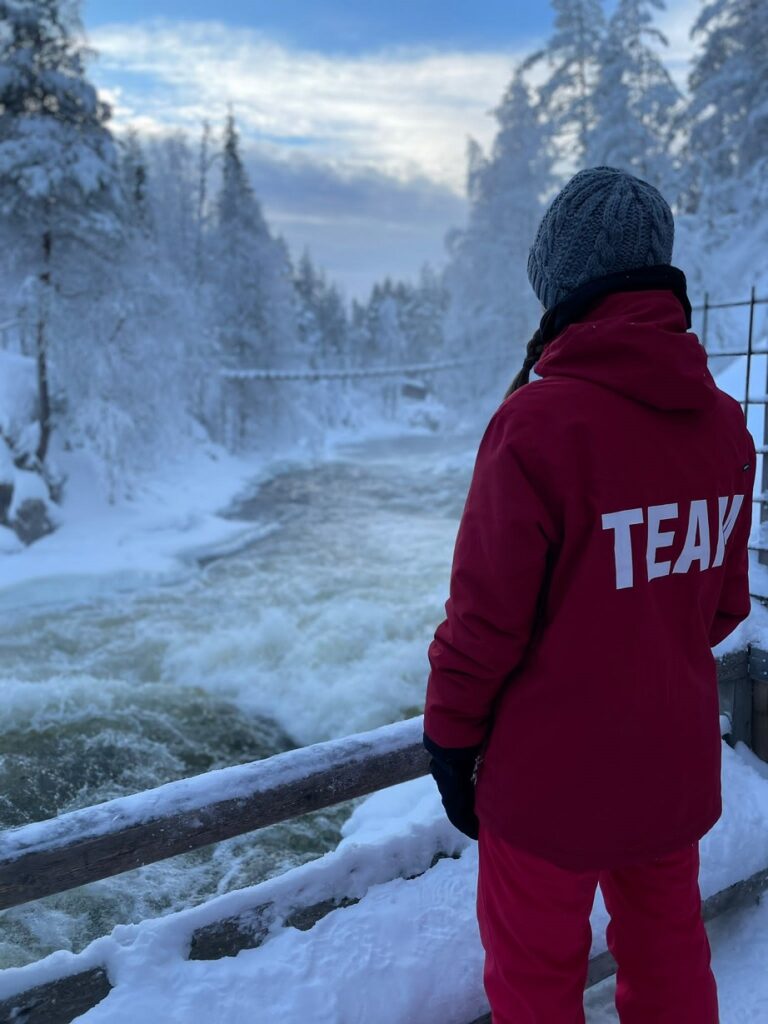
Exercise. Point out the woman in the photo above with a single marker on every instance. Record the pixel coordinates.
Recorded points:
(572, 707)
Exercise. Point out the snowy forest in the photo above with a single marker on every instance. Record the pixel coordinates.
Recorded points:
(148, 308)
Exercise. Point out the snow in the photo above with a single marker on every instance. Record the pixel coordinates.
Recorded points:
(28, 487)
(171, 520)
(384, 959)
(18, 393)
(6, 463)
(739, 950)
(9, 542)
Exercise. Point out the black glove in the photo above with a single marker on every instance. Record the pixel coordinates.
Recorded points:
(453, 770)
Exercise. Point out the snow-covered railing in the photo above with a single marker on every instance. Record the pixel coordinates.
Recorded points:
(107, 839)
(97, 842)
(341, 373)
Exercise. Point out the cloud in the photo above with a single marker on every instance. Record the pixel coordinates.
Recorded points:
(405, 113)
(362, 158)
(359, 224)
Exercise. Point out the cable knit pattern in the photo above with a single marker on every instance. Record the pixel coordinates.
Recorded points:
(603, 221)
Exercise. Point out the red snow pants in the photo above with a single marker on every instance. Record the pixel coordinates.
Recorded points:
(535, 929)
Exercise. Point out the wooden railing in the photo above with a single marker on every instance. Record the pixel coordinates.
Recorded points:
(97, 842)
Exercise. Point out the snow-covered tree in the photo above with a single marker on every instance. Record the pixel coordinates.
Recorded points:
(256, 299)
(422, 317)
(492, 308)
(323, 325)
(728, 111)
(59, 190)
(133, 167)
(572, 55)
(635, 99)
(171, 191)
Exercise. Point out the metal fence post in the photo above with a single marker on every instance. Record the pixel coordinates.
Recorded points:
(750, 335)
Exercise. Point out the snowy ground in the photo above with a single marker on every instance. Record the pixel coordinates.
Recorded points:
(172, 518)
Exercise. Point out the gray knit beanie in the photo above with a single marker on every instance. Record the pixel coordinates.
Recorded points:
(602, 222)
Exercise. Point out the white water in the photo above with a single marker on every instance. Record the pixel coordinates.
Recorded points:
(318, 629)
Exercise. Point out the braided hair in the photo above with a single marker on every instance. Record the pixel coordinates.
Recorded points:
(578, 302)
(533, 350)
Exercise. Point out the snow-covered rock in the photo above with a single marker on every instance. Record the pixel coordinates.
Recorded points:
(18, 394)
(26, 508)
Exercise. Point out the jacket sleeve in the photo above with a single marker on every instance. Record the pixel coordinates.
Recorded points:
(734, 604)
(499, 567)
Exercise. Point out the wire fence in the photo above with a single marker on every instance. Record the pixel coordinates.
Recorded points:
(751, 303)
(760, 433)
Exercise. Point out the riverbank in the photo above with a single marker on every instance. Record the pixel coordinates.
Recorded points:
(175, 517)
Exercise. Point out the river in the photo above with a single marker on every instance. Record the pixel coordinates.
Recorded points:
(316, 630)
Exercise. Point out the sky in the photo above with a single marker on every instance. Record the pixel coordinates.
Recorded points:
(355, 116)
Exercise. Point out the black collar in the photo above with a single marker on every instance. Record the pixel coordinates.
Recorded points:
(578, 302)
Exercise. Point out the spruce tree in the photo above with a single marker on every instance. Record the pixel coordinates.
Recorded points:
(423, 316)
(133, 168)
(256, 296)
(728, 110)
(572, 54)
(492, 308)
(635, 99)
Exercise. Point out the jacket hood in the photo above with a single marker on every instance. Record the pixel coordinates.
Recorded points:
(637, 344)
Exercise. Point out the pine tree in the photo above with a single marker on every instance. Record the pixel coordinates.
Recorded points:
(58, 169)
(572, 53)
(635, 99)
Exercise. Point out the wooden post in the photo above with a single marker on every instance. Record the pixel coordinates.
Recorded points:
(758, 674)
(760, 719)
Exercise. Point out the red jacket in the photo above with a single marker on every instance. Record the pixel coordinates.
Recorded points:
(602, 552)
